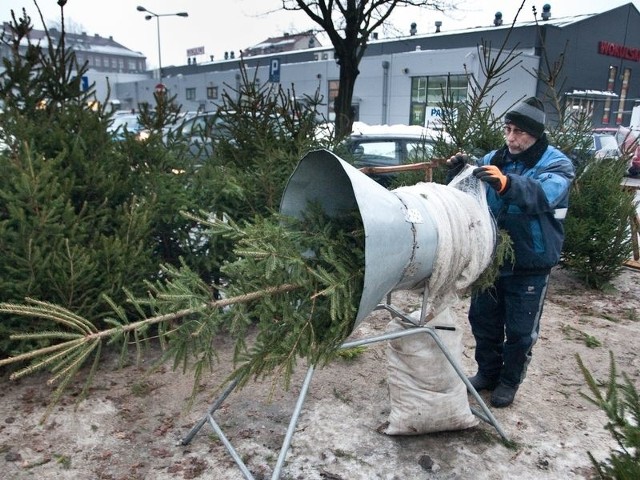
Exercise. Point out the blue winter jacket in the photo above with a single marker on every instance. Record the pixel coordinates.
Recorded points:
(533, 208)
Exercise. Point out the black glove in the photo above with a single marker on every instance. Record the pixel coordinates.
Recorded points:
(455, 165)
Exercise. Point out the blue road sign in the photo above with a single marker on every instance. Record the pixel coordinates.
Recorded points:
(274, 71)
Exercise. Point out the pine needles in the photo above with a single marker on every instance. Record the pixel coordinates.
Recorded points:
(503, 253)
(325, 258)
(621, 404)
(296, 283)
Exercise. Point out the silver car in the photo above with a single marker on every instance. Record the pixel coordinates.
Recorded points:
(389, 146)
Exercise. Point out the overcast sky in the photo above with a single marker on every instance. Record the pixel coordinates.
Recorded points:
(224, 25)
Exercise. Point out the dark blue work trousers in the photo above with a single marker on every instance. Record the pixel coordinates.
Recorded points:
(505, 321)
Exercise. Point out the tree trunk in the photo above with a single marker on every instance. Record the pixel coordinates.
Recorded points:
(343, 103)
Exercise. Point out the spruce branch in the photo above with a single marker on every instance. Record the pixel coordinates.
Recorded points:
(30, 311)
(621, 404)
(297, 282)
(67, 358)
(503, 253)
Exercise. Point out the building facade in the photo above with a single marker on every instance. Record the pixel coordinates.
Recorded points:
(108, 62)
(401, 79)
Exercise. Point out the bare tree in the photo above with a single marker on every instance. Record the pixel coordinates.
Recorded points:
(349, 24)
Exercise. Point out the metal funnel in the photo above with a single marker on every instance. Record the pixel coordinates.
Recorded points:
(400, 236)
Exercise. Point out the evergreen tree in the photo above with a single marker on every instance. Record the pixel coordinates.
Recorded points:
(71, 227)
(598, 234)
(621, 403)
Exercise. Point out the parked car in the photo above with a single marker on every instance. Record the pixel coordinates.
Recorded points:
(604, 145)
(389, 145)
(197, 132)
(628, 142)
(200, 133)
(124, 123)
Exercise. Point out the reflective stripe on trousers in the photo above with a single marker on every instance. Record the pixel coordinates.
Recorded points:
(560, 213)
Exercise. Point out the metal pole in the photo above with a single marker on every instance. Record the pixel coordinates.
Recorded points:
(232, 451)
(157, 16)
(187, 439)
(159, 53)
(292, 424)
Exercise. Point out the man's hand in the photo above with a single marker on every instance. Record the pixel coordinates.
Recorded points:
(458, 161)
(455, 165)
(493, 176)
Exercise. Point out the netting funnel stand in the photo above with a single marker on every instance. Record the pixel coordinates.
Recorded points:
(400, 247)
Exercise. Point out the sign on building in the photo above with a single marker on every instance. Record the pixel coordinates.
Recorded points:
(192, 52)
(274, 70)
(433, 117)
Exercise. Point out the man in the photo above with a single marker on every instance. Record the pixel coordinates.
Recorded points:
(529, 194)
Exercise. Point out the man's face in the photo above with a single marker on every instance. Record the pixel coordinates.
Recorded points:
(517, 140)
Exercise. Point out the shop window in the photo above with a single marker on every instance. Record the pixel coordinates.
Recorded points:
(426, 95)
(611, 83)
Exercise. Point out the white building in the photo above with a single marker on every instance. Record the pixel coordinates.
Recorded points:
(400, 79)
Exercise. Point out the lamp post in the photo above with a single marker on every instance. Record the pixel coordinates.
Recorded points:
(157, 17)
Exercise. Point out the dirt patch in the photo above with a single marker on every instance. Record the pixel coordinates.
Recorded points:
(131, 425)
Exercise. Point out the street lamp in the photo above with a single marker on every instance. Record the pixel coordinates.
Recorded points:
(157, 17)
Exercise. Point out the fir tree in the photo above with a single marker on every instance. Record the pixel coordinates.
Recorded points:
(621, 403)
(598, 236)
(70, 225)
(298, 282)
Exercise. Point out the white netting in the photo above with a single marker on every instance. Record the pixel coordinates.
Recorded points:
(466, 235)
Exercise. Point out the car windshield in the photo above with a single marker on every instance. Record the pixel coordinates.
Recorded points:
(200, 125)
(386, 149)
(606, 142)
(125, 122)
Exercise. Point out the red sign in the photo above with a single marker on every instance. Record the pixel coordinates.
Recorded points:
(619, 51)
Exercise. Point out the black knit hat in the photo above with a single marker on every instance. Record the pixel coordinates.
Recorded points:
(528, 116)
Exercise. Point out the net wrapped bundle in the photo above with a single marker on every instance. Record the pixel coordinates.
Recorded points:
(466, 236)
(426, 393)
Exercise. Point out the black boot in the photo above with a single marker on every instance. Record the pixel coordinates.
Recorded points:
(503, 395)
(480, 382)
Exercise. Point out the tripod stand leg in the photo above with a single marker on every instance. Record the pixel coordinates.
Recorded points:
(488, 416)
(187, 439)
(232, 451)
(292, 424)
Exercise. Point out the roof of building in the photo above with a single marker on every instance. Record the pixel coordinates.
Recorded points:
(557, 22)
(287, 42)
(284, 43)
(82, 42)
